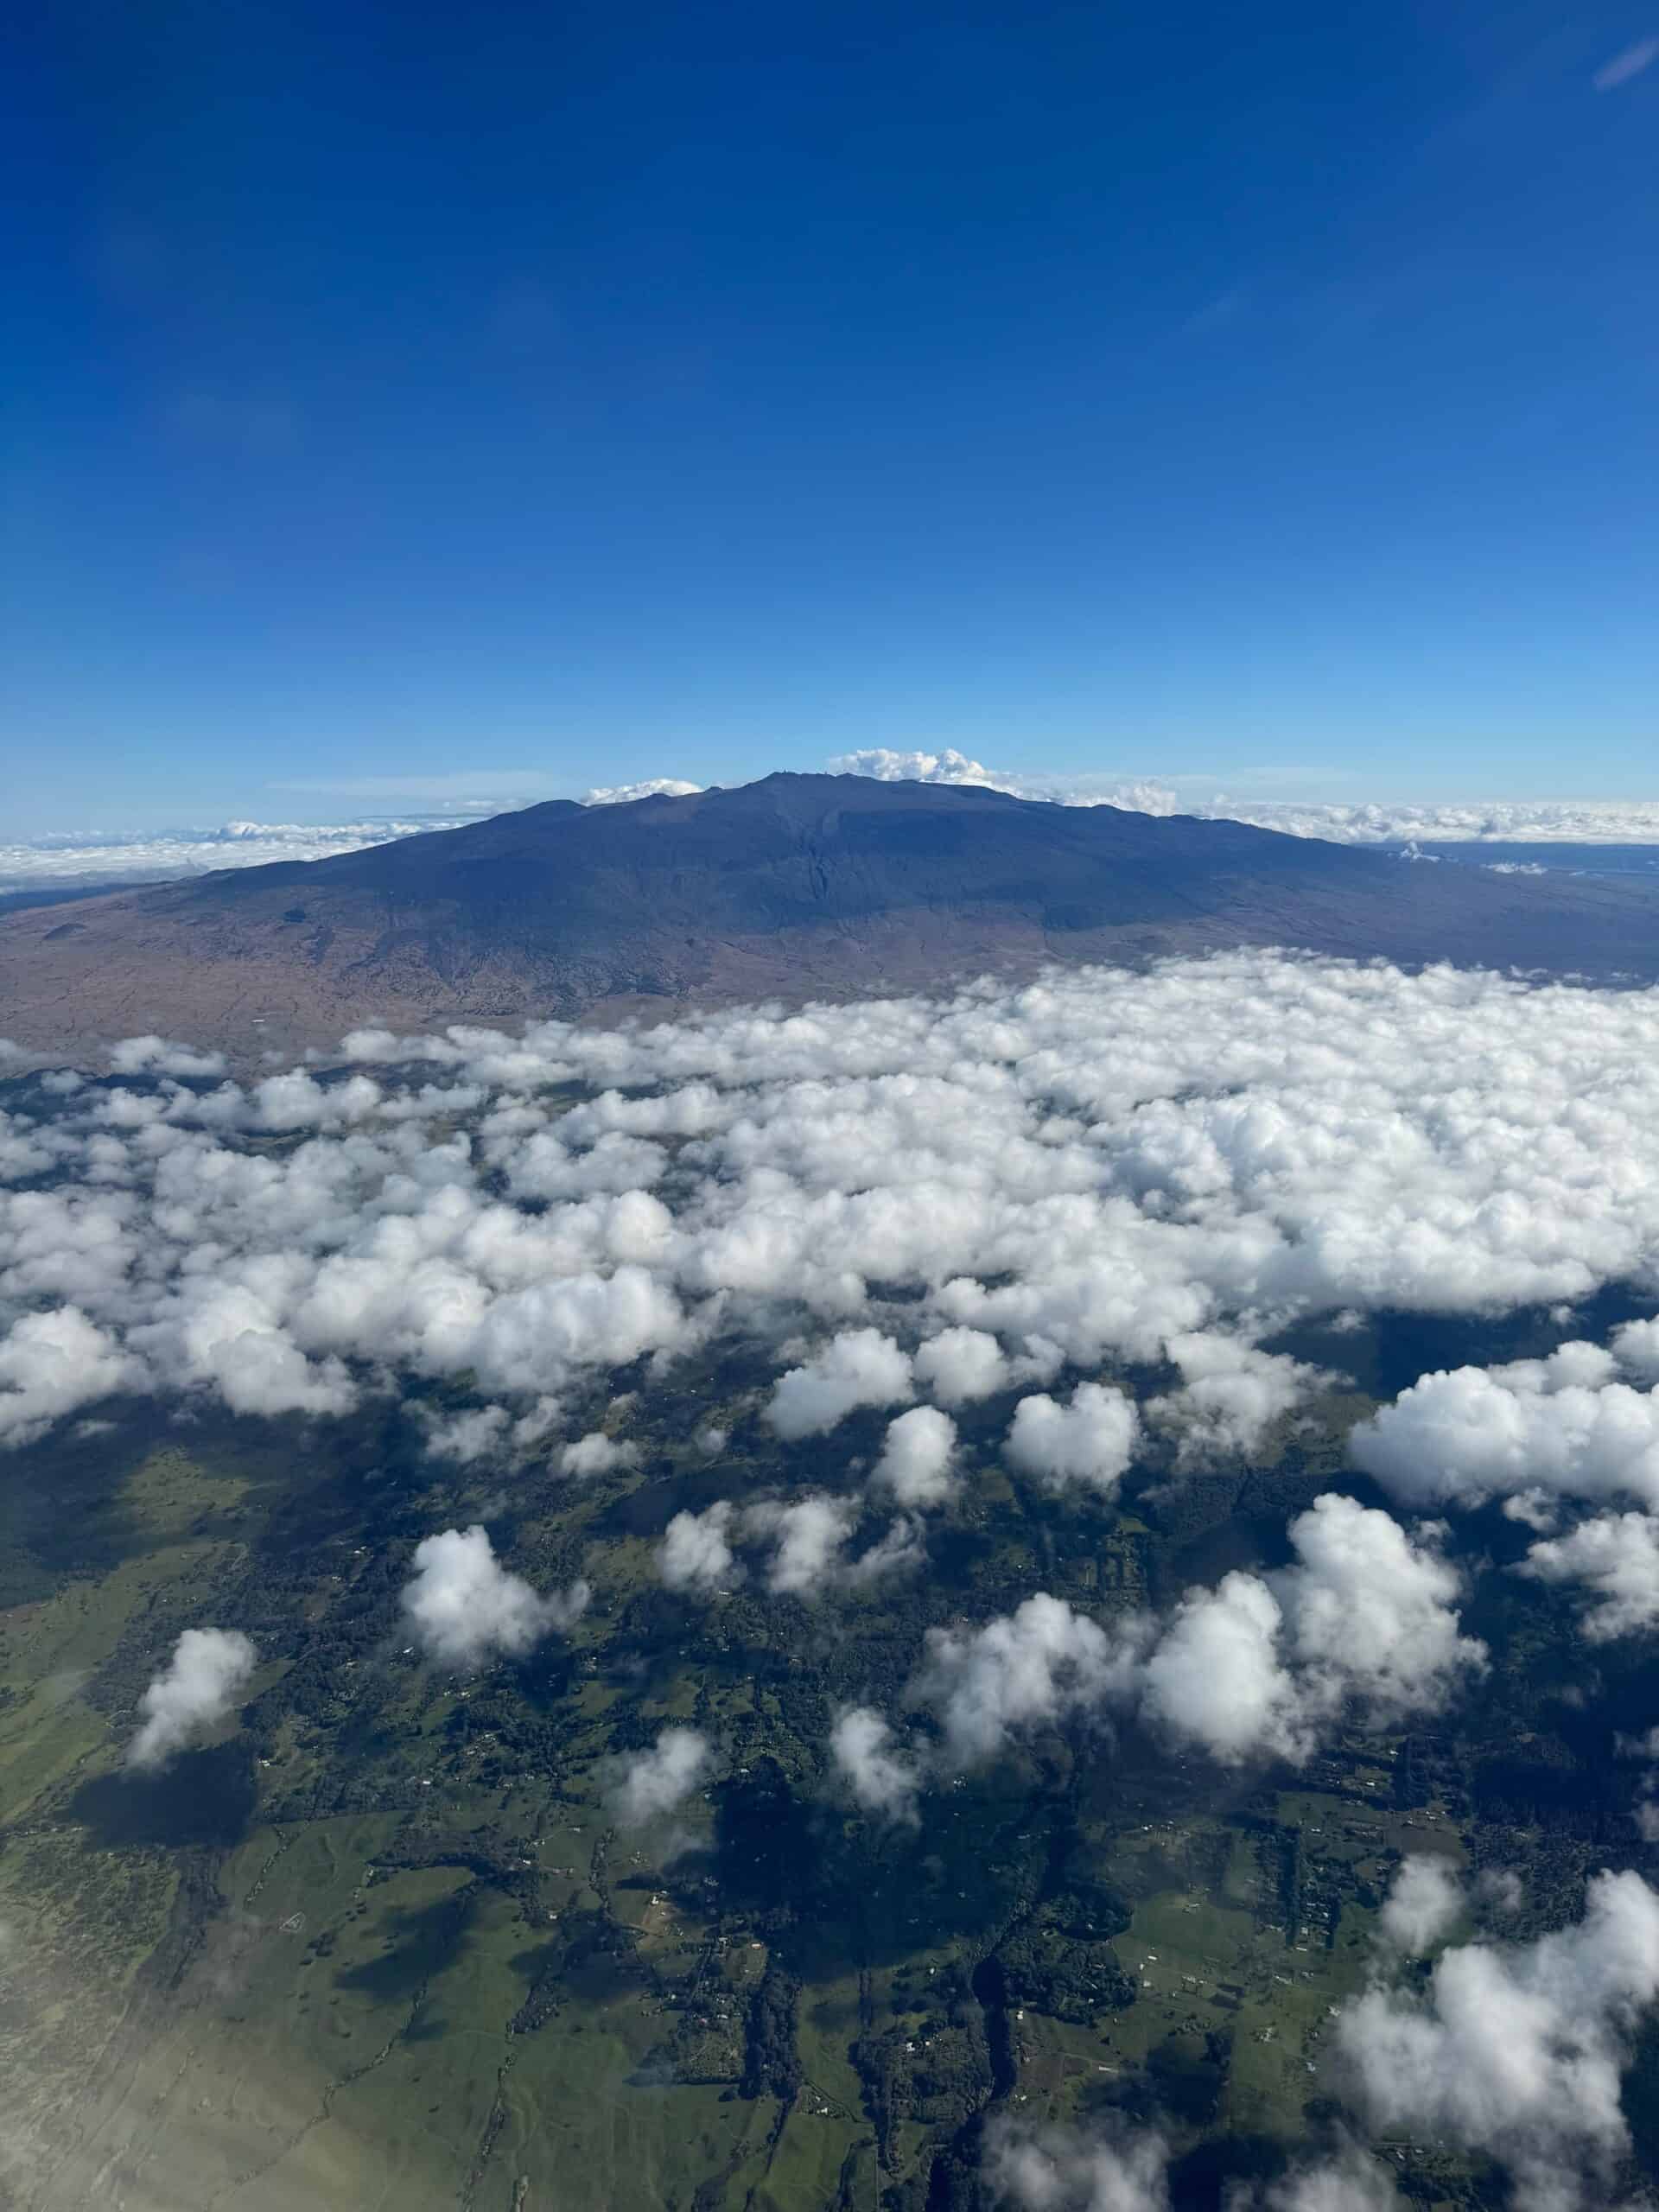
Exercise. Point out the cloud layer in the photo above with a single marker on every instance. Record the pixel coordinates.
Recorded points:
(1102, 1168)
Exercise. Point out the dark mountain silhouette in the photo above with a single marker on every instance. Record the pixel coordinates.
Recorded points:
(797, 885)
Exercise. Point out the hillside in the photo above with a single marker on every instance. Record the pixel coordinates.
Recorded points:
(793, 887)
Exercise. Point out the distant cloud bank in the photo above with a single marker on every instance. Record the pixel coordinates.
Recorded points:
(135, 857)
(1577, 822)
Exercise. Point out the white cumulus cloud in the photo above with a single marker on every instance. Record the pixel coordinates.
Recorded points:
(1516, 2051)
(1564, 1426)
(52, 1364)
(1090, 1440)
(916, 1457)
(695, 1553)
(861, 1367)
(1425, 1902)
(1070, 2170)
(465, 1607)
(191, 1695)
(1021, 1671)
(1615, 1559)
(656, 1783)
(881, 1775)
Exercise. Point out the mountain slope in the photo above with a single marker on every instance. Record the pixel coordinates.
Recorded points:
(798, 886)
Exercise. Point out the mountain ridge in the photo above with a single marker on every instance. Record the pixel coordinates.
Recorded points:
(793, 887)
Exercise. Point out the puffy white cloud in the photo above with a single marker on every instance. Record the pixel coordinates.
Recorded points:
(597, 1455)
(1365, 1620)
(1635, 1347)
(1371, 1611)
(52, 1364)
(861, 1367)
(1232, 1394)
(1425, 1902)
(916, 1457)
(543, 1165)
(1646, 1808)
(1263, 1663)
(1068, 2169)
(468, 1437)
(156, 1055)
(229, 1336)
(959, 1366)
(1559, 1426)
(295, 1100)
(191, 1695)
(65, 1244)
(1218, 1675)
(1021, 1671)
(807, 1539)
(808, 1536)
(902, 1548)
(1077, 2170)
(1351, 2183)
(531, 1339)
(467, 1607)
(1517, 2050)
(656, 1783)
(489, 1431)
(1091, 1440)
(695, 1553)
(881, 1776)
(1616, 1557)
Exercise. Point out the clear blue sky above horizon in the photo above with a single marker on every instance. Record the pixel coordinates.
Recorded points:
(402, 397)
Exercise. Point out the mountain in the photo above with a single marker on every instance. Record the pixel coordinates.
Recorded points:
(796, 885)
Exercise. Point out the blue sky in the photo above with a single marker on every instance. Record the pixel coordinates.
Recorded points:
(403, 398)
